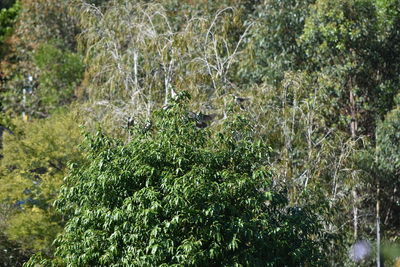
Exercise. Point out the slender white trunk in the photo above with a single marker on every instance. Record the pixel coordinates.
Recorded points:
(167, 93)
(353, 130)
(355, 214)
(378, 229)
(135, 69)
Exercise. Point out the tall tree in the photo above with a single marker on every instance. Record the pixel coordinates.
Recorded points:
(340, 38)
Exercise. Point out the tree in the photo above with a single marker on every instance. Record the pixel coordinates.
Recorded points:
(136, 53)
(8, 15)
(388, 161)
(272, 46)
(179, 195)
(40, 23)
(60, 72)
(32, 170)
(340, 39)
(352, 48)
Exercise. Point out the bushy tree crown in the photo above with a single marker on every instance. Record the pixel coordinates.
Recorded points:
(175, 195)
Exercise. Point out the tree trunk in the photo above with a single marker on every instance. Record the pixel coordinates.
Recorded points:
(353, 114)
(378, 228)
(355, 214)
(353, 130)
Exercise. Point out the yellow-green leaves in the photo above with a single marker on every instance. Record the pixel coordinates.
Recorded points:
(32, 170)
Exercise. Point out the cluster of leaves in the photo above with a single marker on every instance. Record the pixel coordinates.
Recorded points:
(179, 195)
(272, 42)
(8, 15)
(32, 170)
(60, 72)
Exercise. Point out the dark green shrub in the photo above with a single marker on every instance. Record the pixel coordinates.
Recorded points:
(177, 195)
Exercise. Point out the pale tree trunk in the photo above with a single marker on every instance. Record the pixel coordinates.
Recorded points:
(135, 69)
(353, 129)
(355, 214)
(353, 114)
(378, 228)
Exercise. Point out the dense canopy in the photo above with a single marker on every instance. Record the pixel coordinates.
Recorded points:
(199, 133)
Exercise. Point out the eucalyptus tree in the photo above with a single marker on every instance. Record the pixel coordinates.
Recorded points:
(341, 41)
(388, 161)
(311, 156)
(349, 44)
(138, 57)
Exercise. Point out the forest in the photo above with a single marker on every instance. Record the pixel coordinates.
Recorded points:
(200, 133)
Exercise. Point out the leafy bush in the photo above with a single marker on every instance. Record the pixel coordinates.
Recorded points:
(178, 195)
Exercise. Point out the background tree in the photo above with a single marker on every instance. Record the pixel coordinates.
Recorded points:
(389, 165)
(8, 14)
(59, 74)
(32, 169)
(140, 55)
(11, 253)
(341, 40)
(272, 46)
(43, 22)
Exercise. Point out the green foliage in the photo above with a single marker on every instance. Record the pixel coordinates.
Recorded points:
(341, 41)
(6, 3)
(338, 28)
(34, 164)
(60, 72)
(11, 253)
(8, 17)
(41, 23)
(272, 42)
(179, 195)
(34, 228)
(392, 252)
(388, 163)
(390, 48)
(49, 86)
(388, 139)
(318, 78)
